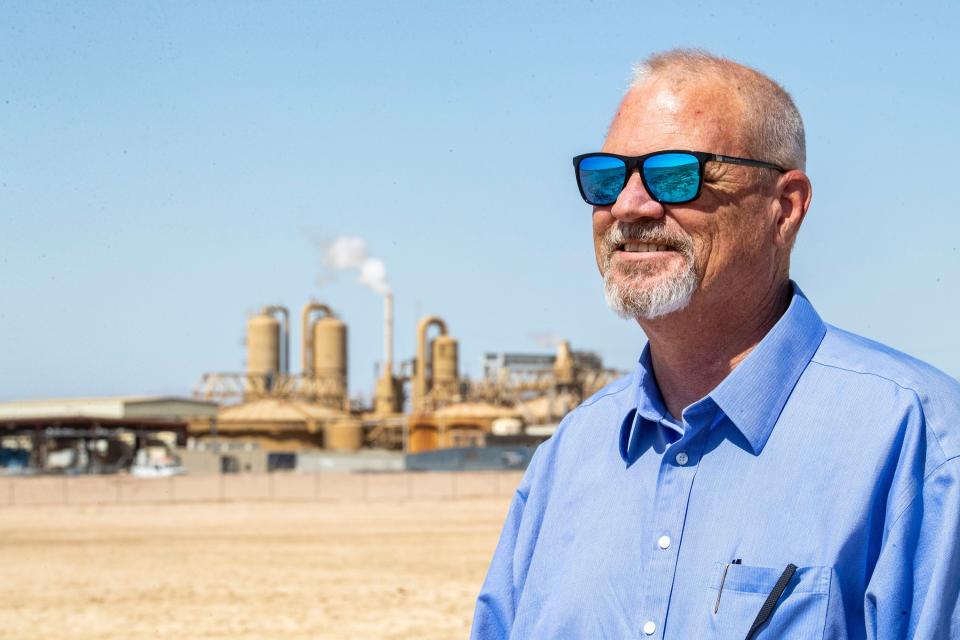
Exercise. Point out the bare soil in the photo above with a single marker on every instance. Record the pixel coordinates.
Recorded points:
(340, 569)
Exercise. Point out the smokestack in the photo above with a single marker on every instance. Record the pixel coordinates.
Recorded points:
(388, 333)
(387, 398)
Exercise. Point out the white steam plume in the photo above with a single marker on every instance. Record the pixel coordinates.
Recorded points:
(349, 253)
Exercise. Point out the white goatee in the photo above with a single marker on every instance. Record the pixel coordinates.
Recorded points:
(627, 293)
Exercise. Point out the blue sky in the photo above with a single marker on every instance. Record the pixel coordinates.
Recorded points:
(167, 168)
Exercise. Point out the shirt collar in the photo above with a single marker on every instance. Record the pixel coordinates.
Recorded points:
(755, 392)
(644, 402)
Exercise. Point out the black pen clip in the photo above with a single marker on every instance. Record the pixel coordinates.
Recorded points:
(767, 609)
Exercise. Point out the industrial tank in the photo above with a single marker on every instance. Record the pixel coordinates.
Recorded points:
(564, 370)
(445, 377)
(330, 348)
(325, 356)
(422, 437)
(343, 435)
(263, 345)
(388, 397)
(444, 359)
(423, 375)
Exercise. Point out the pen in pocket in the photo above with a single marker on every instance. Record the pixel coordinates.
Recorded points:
(767, 609)
(723, 579)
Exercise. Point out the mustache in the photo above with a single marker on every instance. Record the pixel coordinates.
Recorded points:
(656, 233)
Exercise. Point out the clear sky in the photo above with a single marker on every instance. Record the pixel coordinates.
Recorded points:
(168, 167)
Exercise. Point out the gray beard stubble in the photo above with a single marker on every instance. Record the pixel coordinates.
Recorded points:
(671, 291)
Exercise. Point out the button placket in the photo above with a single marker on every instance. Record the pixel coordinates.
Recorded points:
(674, 485)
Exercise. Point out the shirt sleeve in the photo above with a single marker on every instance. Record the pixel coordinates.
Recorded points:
(496, 608)
(496, 605)
(914, 589)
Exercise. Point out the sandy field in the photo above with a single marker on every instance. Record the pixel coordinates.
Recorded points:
(388, 568)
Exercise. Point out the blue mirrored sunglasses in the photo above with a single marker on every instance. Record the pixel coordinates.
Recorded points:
(670, 177)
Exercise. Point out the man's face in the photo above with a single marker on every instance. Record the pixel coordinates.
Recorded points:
(655, 258)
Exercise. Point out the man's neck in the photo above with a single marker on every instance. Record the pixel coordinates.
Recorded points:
(693, 350)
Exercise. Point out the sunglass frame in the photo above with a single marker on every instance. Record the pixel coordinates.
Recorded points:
(635, 163)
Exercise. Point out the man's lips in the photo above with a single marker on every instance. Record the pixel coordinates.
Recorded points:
(643, 247)
(634, 250)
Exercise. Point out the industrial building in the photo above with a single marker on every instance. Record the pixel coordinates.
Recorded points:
(268, 416)
(423, 406)
(97, 435)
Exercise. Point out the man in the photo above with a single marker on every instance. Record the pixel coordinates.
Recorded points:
(761, 474)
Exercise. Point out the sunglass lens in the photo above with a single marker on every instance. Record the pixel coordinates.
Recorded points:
(672, 177)
(601, 178)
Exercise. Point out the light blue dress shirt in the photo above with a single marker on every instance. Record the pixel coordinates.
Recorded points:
(821, 449)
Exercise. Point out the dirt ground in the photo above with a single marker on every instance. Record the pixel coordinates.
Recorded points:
(375, 569)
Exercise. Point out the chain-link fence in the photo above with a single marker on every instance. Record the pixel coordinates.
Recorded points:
(327, 486)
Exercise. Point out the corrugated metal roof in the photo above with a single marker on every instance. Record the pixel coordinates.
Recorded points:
(475, 410)
(545, 408)
(103, 407)
(275, 410)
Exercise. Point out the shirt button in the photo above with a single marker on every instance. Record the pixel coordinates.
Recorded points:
(649, 627)
(682, 458)
(664, 542)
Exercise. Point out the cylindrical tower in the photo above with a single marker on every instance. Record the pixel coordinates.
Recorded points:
(272, 311)
(388, 333)
(421, 375)
(446, 379)
(330, 358)
(306, 334)
(325, 356)
(263, 345)
(564, 372)
(387, 397)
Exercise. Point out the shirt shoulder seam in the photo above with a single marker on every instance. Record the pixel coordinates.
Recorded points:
(899, 384)
(593, 401)
(864, 373)
(926, 477)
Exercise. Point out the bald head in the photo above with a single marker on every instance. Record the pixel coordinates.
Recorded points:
(770, 125)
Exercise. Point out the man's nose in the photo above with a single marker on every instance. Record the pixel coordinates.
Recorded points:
(634, 203)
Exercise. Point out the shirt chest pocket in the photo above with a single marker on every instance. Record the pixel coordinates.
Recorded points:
(737, 592)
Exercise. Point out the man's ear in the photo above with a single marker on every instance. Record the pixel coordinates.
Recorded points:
(792, 196)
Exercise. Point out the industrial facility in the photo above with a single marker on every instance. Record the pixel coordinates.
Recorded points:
(420, 405)
(98, 435)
